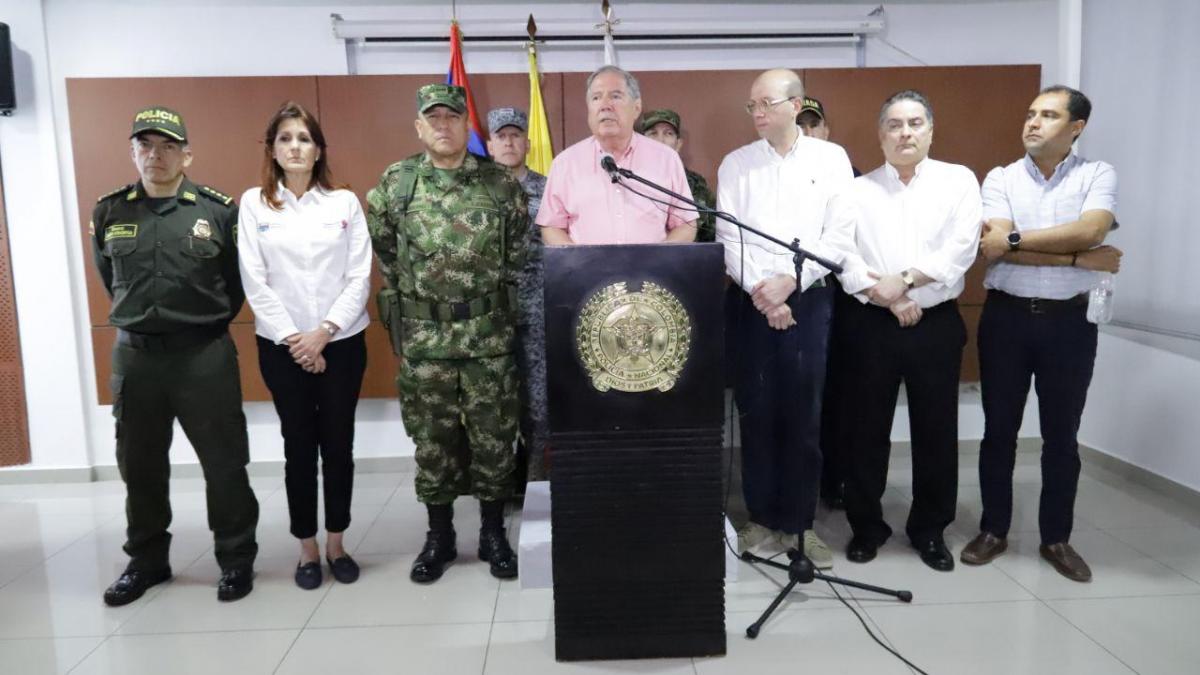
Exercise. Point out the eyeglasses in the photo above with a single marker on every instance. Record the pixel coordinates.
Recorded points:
(765, 105)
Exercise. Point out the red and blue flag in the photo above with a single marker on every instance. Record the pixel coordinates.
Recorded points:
(458, 76)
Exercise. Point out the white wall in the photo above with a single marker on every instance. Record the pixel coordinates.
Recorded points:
(47, 273)
(93, 38)
(1144, 407)
(1145, 397)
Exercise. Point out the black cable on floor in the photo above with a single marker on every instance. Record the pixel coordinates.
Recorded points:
(870, 632)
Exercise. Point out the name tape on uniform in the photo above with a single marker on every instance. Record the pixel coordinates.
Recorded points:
(122, 231)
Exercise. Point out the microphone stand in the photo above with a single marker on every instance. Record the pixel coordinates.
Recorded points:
(800, 570)
(799, 254)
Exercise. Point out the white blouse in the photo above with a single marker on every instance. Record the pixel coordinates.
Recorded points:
(306, 263)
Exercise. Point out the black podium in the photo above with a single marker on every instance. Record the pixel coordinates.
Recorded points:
(634, 344)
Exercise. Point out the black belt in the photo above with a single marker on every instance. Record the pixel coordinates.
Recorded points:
(182, 339)
(1037, 305)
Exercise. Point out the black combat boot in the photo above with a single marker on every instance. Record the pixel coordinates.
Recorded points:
(439, 545)
(493, 544)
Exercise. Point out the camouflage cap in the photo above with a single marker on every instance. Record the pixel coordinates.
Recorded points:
(507, 117)
(812, 105)
(159, 120)
(661, 115)
(449, 95)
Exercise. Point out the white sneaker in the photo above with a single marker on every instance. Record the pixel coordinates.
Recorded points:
(787, 541)
(817, 551)
(751, 535)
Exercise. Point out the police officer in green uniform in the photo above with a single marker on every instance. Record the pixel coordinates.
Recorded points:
(166, 251)
(663, 125)
(451, 231)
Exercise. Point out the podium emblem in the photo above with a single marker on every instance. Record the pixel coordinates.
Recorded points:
(633, 341)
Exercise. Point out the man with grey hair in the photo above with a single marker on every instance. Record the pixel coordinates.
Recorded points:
(788, 186)
(582, 205)
(508, 144)
(917, 234)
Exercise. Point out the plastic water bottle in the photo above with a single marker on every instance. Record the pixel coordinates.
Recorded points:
(1100, 301)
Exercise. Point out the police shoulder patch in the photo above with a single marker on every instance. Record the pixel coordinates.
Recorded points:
(216, 195)
(116, 192)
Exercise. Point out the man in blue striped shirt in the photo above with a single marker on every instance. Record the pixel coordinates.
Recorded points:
(1046, 217)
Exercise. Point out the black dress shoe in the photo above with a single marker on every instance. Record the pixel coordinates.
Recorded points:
(132, 584)
(935, 554)
(344, 569)
(308, 575)
(494, 549)
(861, 550)
(431, 562)
(236, 583)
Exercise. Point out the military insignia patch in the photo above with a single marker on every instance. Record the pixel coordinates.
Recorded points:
(633, 341)
(202, 230)
(123, 231)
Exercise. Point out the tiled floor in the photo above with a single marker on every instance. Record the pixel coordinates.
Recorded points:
(60, 547)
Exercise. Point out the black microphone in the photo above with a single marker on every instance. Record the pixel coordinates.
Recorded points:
(610, 165)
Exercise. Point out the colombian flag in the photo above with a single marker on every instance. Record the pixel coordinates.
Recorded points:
(540, 152)
(458, 76)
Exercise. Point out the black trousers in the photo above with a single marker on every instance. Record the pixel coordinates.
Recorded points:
(316, 415)
(927, 357)
(778, 384)
(1056, 346)
(197, 383)
(834, 408)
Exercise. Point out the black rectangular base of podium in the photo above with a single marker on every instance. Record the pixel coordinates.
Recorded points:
(639, 565)
(635, 475)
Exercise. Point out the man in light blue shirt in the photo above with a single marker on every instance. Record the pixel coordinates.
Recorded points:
(1045, 220)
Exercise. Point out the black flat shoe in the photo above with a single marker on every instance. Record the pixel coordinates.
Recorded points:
(308, 575)
(935, 554)
(344, 569)
(132, 584)
(861, 550)
(235, 584)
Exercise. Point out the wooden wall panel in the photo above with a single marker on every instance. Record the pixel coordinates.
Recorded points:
(14, 418)
(978, 110)
(368, 122)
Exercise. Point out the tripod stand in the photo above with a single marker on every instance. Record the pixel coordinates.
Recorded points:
(801, 571)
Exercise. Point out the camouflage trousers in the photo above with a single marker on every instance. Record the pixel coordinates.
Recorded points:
(535, 419)
(462, 416)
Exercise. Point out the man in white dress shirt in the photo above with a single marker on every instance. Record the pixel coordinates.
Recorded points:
(917, 234)
(1046, 218)
(788, 186)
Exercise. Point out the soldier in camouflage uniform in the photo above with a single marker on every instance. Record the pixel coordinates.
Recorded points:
(663, 126)
(451, 232)
(508, 144)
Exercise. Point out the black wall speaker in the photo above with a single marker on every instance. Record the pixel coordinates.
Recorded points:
(8, 91)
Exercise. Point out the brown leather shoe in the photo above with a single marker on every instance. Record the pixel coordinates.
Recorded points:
(983, 549)
(1067, 561)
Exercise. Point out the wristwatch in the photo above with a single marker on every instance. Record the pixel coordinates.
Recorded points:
(907, 277)
(329, 328)
(1014, 240)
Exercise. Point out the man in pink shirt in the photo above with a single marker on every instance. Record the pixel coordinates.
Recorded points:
(582, 205)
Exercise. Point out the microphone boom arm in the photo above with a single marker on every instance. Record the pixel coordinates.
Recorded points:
(799, 254)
